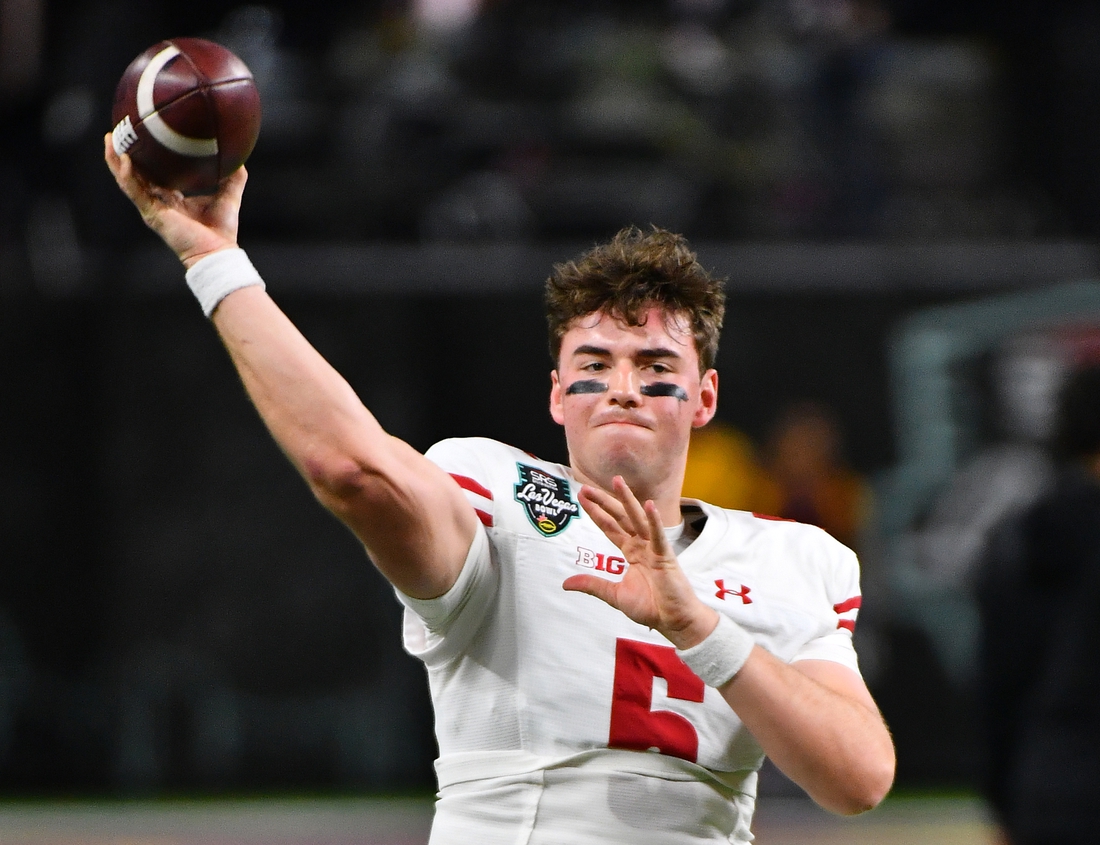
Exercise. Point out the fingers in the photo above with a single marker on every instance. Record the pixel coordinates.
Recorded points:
(605, 511)
(619, 506)
(593, 586)
(602, 499)
(657, 530)
(225, 205)
(631, 516)
(621, 516)
(634, 511)
(139, 192)
(109, 154)
(120, 166)
(234, 183)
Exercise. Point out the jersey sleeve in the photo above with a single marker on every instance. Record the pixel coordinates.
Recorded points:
(437, 630)
(456, 615)
(841, 573)
(462, 460)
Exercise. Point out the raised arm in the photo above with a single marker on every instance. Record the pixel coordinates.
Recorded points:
(409, 514)
(815, 719)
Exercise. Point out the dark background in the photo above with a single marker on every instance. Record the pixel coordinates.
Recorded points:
(176, 613)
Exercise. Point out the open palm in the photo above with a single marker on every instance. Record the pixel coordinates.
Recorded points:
(654, 591)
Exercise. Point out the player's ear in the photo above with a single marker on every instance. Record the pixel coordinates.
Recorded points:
(556, 410)
(708, 399)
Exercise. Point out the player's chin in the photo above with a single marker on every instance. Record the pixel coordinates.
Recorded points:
(632, 461)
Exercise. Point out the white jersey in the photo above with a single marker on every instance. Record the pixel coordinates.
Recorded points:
(559, 720)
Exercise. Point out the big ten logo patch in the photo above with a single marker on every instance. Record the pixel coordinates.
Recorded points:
(545, 499)
(600, 562)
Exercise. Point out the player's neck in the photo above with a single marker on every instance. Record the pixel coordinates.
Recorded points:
(665, 495)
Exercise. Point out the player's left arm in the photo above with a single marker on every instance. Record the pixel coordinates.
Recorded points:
(815, 719)
(818, 723)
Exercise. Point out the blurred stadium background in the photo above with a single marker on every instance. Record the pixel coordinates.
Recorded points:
(904, 194)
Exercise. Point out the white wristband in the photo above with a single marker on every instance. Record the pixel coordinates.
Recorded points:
(721, 655)
(217, 275)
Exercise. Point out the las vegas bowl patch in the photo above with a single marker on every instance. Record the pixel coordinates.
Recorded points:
(546, 500)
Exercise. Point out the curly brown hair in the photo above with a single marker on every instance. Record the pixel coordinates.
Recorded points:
(630, 273)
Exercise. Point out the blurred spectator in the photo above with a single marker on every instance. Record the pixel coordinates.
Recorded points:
(723, 469)
(812, 482)
(1038, 591)
(803, 476)
(1004, 472)
(1004, 475)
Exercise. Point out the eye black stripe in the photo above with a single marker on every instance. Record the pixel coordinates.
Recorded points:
(665, 388)
(586, 386)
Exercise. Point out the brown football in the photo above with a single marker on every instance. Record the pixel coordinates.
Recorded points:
(188, 113)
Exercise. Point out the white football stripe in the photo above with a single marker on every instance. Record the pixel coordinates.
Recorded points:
(161, 131)
(149, 78)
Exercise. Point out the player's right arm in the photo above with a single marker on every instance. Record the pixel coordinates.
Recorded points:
(410, 515)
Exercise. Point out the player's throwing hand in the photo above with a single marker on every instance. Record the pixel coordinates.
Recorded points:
(654, 592)
(192, 226)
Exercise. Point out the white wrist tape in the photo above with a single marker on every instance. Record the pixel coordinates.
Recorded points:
(217, 275)
(721, 655)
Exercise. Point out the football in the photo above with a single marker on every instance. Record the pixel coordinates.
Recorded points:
(188, 113)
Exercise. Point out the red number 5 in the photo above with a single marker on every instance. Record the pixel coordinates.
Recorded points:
(634, 724)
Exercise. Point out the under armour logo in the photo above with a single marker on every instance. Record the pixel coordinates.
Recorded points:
(723, 591)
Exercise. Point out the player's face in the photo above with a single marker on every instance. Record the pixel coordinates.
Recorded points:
(628, 397)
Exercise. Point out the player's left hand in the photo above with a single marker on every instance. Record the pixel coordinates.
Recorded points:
(654, 591)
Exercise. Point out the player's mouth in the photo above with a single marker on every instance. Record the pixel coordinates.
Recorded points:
(619, 419)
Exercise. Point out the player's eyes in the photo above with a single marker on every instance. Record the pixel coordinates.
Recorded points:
(594, 367)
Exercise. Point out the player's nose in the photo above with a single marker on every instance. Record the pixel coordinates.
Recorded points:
(625, 385)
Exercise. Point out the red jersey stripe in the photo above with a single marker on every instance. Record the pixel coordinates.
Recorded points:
(850, 624)
(486, 519)
(849, 604)
(467, 483)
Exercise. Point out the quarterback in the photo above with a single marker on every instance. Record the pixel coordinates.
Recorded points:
(608, 662)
